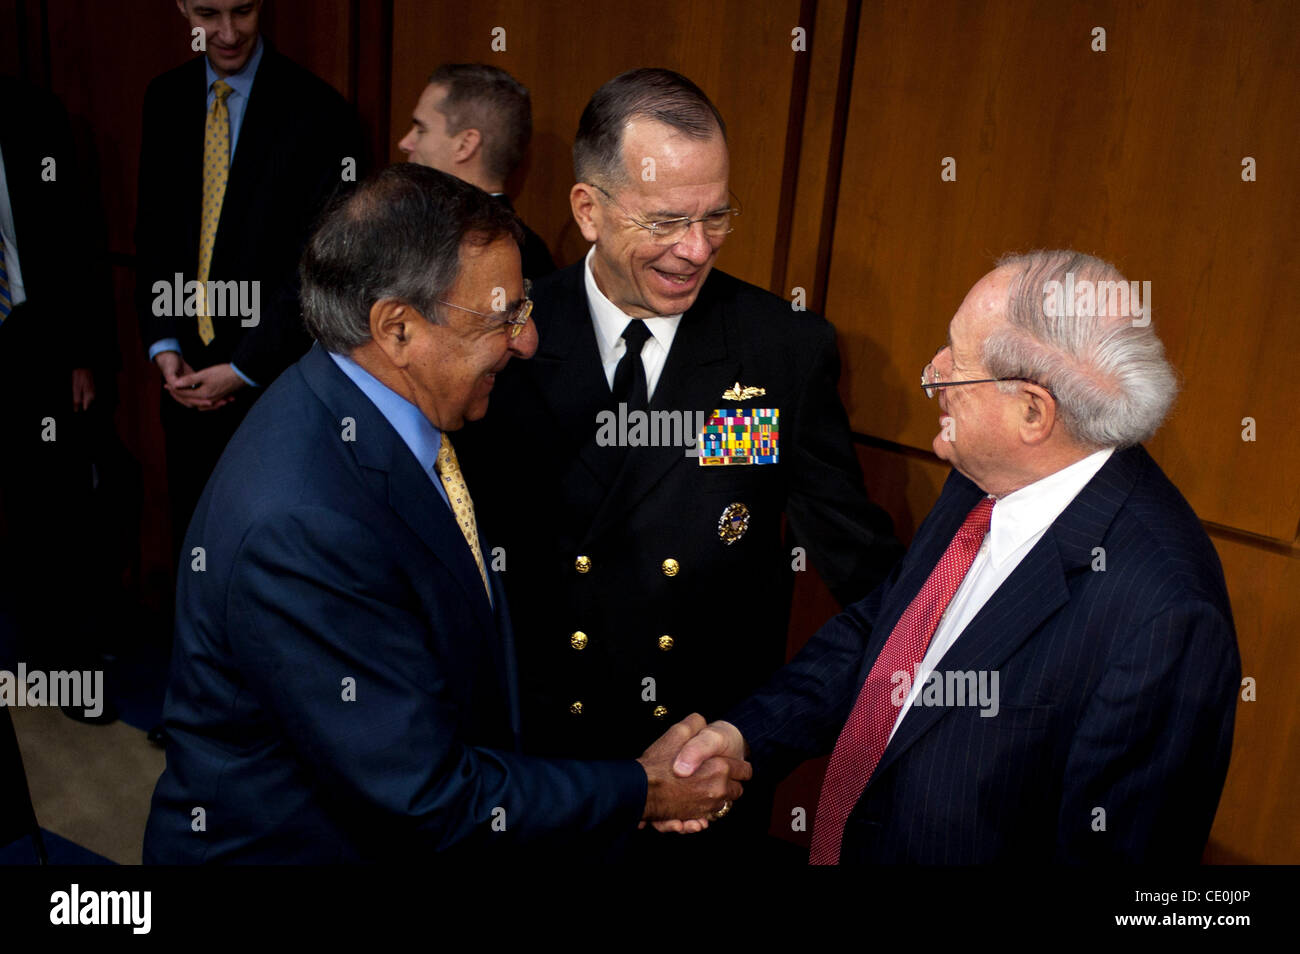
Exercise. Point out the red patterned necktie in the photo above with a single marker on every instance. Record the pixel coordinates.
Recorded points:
(864, 737)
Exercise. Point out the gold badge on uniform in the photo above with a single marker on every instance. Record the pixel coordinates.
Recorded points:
(742, 393)
(733, 523)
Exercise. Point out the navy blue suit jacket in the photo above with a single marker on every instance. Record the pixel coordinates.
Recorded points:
(1117, 690)
(341, 688)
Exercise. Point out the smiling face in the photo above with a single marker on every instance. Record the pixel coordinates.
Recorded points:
(642, 278)
(452, 366)
(427, 142)
(230, 27)
(980, 425)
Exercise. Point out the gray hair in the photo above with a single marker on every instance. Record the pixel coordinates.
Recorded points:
(657, 94)
(1108, 373)
(398, 236)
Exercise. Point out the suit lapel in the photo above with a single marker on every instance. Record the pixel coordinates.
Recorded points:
(396, 476)
(253, 151)
(192, 113)
(1035, 590)
(568, 373)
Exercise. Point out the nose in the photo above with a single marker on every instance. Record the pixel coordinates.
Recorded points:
(226, 33)
(525, 346)
(694, 246)
(406, 145)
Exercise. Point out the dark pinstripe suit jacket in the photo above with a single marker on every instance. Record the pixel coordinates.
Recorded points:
(1117, 690)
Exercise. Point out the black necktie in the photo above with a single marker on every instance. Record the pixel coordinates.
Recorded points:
(629, 377)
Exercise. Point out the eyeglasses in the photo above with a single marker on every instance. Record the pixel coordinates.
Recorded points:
(514, 319)
(671, 231)
(930, 381)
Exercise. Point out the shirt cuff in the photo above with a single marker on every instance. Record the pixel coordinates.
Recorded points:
(247, 380)
(164, 344)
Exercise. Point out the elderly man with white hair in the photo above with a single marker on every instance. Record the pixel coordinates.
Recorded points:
(1051, 673)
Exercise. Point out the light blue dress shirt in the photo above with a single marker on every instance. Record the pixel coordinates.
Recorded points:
(241, 87)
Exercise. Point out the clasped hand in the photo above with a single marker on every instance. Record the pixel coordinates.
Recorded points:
(694, 770)
(203, 390)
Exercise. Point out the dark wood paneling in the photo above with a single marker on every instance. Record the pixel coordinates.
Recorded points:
(738, 52)
(1134, 154)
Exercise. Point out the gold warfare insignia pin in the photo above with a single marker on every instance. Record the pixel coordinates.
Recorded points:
(733, 523)
(739, 393)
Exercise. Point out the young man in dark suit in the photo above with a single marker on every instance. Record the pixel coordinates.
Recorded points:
(650, 575)
(344, 685)
(1051, 673)
(241, 148)
(474, 121)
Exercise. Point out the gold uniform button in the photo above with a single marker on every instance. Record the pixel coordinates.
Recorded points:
(582, 564)
(660, 712)
(665, 643)
(578, 640)
(670, 567)
(576, 708)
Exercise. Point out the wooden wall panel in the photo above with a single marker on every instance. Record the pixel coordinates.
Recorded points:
(1134, 154)
(315, 34)
(1257, 820)
(102, 56)
(738, 52)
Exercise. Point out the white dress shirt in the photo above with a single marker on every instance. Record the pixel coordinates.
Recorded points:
(1019, 521)
(610, 322)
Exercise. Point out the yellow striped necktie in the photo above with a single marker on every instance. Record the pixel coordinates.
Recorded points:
(216, 169)
(462, 507)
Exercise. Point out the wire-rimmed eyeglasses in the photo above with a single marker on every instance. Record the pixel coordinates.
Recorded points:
(513, 319)
(671, 231)
(931, 382)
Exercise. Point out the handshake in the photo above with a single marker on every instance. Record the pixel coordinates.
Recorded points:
(694, 772)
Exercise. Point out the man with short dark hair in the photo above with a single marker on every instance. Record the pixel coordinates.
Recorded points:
(474, 121)
(651, 575)
(343, 683)
(1050, 675)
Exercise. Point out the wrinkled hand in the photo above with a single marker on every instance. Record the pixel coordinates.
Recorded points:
(83, 389)
(716, 740)
(204, 390)
(694, 795)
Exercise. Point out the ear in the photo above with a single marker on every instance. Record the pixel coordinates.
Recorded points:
(1037, 414)
(392, 328)
(583, 201)
(467, 146)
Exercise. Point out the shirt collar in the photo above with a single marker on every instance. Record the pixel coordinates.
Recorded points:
(610, 320)
(241, 82)
(415, 430)
(1021, 515)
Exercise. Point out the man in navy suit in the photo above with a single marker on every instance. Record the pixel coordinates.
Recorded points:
(343, 684)
(1051, 673)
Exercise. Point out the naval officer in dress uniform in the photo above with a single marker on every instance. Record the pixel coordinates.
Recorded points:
(672, 417)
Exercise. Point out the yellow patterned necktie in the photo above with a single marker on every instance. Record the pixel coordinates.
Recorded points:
(216, 168)
(462, 506)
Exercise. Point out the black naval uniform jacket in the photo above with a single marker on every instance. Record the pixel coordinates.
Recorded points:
(631, 608)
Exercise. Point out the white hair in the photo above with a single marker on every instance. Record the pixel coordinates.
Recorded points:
(1112, 383)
